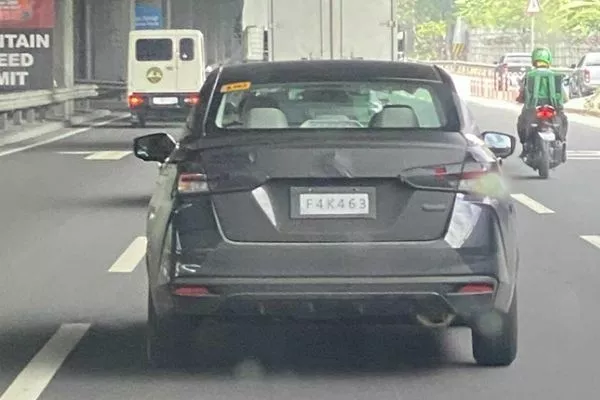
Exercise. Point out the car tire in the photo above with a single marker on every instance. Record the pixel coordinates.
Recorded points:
(168, 338)
(141, 121)
(501, 349)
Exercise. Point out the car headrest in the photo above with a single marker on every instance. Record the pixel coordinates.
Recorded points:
(254, 101)
(395, 116)
(265, 118)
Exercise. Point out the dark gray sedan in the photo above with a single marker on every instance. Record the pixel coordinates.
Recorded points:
(347, 191)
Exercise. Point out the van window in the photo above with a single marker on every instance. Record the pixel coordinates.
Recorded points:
(186, 49)
(153, 49)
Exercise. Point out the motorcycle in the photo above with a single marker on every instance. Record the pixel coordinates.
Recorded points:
(546, 150)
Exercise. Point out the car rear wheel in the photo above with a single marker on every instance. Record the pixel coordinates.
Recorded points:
(498, 348)
(138, 121)
(168, 338)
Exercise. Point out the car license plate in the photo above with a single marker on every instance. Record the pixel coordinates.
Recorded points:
(331, 203)
(164, 101)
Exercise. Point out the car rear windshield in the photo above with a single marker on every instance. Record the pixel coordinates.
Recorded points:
(524, 59)
(592, 60)
(332, 105)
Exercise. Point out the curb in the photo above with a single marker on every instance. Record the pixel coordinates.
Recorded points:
(47, 127)
(589, 113)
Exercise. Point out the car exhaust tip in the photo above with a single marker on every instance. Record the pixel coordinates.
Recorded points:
(436, 321)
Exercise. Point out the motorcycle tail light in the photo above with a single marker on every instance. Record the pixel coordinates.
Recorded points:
(545, 112)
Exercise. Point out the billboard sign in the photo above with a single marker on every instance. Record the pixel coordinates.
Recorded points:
(148, 17)
(26, 41)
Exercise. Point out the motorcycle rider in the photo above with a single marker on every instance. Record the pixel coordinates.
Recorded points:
(540, 86)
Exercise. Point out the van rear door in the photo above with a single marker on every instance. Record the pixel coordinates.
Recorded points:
(190, 61)
(152, 64)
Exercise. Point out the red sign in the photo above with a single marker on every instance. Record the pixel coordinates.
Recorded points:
(27, 14)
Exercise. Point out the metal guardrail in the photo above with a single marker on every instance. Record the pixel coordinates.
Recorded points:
(102, 84)
(474, 69)
(34, 104)
(106, 89)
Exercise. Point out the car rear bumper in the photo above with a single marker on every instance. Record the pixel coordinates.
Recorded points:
(424, 300)
(148, 108)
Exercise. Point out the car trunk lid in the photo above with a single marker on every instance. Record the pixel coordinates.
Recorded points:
(335, 190)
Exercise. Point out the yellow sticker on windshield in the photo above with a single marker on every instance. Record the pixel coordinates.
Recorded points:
(235, 87)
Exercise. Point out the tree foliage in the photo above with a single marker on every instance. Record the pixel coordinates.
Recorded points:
(578, 18)
(428, 20)
(430, 43)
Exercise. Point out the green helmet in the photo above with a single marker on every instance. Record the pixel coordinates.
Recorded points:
(541, 54)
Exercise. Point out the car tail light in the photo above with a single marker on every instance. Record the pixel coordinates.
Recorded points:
(545, 112)
(192, 183)
(192, 100)
(135, 100)
(473, 178)
(191, 291)
(586, 75)
(477, 288)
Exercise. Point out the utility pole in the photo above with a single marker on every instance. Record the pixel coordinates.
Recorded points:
(533, 8)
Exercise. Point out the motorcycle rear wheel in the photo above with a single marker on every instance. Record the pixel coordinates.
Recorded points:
(544, 160)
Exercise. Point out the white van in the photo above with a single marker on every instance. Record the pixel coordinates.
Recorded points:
(166, 69)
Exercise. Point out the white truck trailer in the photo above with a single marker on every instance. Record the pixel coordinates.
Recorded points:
(324, 29)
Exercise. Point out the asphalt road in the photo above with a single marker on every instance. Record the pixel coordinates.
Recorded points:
(71, 223)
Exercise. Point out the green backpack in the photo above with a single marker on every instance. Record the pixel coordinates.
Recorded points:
(543, 86)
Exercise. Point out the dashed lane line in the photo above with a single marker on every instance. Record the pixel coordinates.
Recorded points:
(108, 155)
(131, 257)
(592, 239)
(38, 373)
(531, 203)
(60, 137)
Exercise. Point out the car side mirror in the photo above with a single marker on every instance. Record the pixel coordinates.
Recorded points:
(501, 144)
(496, 63)
(573, 66)
(155, 147)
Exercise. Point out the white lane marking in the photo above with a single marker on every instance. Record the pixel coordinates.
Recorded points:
(108, 155)
(583, 155)
(131, 257)
(74, 152)
(38, 373)
(592, 239)
(60, 137)
(591, 153)
(531, 203)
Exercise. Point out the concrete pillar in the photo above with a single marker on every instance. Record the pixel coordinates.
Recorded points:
(112, 21)
(89, 39)
(167, 14)
(57, 46)
(66, 16)
(182, 15)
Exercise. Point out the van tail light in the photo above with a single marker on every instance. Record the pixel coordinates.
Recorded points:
(545, 112)
(135, 100)
(192, 99)
(586, 75)
(192, 183)
(473, 178)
